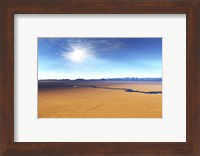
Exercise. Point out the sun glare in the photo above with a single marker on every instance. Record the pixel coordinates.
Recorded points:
(78, 54)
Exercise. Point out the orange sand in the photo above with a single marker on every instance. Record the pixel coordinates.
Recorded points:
(101, 103)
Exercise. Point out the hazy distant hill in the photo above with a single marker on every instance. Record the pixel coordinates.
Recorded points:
(108, 79)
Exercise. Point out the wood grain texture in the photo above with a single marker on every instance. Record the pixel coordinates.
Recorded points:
(8, 81)
(192, 80)
(198, 79)
(11, 7)
(1, 89)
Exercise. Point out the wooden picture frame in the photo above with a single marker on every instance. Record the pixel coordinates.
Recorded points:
(10, 7)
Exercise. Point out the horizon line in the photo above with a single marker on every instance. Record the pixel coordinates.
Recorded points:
(105, 78)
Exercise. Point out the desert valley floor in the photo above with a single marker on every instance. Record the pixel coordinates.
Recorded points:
(100, 99)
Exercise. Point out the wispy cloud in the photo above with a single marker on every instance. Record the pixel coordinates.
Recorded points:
(84, 49)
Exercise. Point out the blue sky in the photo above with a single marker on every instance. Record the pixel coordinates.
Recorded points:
(94, 58)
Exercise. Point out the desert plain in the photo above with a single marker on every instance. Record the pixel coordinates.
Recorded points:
(99, 99)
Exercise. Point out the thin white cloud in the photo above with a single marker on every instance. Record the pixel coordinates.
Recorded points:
(80, 50)
(92, 43)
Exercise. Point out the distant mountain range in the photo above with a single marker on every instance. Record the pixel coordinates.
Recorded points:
(108, 79)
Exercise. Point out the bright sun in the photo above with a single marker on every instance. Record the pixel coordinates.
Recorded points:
(78, 54)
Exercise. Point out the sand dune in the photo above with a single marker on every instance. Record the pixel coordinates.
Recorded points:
(86, 102)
